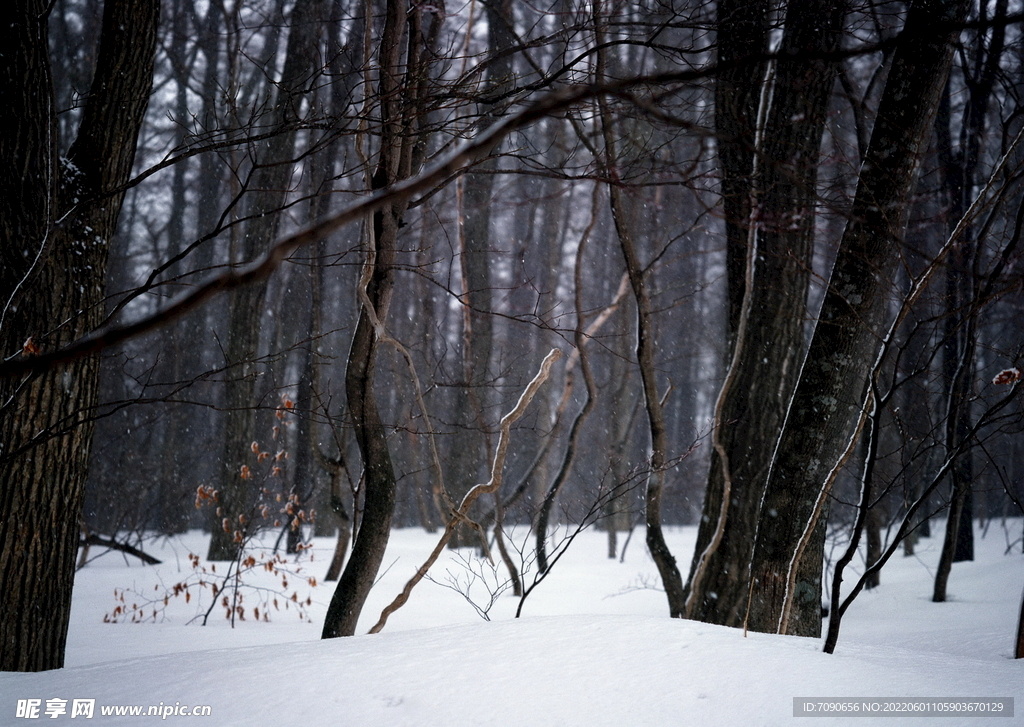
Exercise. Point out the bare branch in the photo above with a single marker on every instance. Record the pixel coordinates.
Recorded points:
(490, 486)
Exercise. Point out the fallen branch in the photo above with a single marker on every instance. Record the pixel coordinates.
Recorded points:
(123, 547)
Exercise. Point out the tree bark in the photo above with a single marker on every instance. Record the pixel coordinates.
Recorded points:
(742, 35)
(816, 438)
(52, 280)
(769, 337)
(403, 94)
(378, 473)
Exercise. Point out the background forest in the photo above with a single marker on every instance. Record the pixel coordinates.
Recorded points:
(285, 265)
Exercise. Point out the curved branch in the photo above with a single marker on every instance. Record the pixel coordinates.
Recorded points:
(491, 485)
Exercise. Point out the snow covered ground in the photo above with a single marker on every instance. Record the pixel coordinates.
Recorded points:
(594, 647)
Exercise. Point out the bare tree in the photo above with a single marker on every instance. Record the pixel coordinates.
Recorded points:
(58, 215)
(405, 60)
(785, 579)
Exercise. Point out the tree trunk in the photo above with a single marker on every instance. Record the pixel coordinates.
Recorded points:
(959, 179)
(873, 533)
(270, 183)
(53, 283)
(616, 514)
(1018, 652)
(403, 93)
(769, 337)
(469, 458)
(784, 597)
(742, 33)
(378, 473)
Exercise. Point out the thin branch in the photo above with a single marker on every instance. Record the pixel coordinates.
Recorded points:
(491, 485)
(453, 163)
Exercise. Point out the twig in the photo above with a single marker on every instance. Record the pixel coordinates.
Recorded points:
(491, 485)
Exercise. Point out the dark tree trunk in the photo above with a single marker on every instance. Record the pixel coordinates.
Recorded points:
(959, 172)
(742, 32)
(1018, 652)
(378, 473)
(784, 596)
(964, 549)
(769, 335)
(639, 276)
(52, 280)
(403, 92)
(873, 533)
(270, 190)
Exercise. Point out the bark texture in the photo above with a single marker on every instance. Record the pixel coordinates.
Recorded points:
(828, 399)
(769, 338)
(52, 284)
(742, 31)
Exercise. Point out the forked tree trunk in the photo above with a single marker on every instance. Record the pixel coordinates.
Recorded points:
(783, 597)
(378, 473)
(769, 336)
(403, 92)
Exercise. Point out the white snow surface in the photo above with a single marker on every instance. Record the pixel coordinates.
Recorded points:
(594, 646)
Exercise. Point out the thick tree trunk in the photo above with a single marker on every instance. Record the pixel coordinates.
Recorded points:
(769, 337)
(53, 286)
(783, 597)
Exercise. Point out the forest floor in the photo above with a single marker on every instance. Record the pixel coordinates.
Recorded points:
(594, 645)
